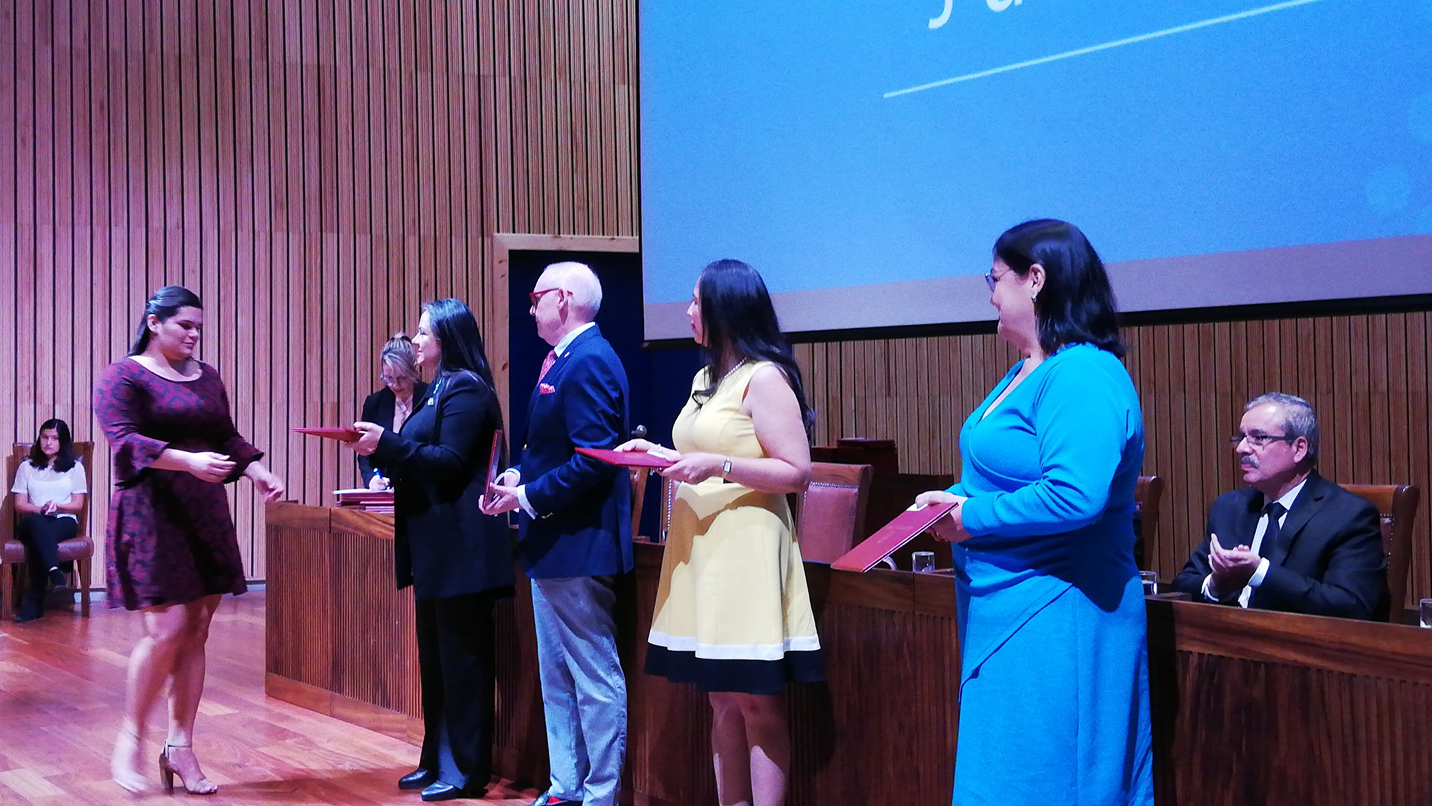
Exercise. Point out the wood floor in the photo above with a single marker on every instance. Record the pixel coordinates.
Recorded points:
(61, 694)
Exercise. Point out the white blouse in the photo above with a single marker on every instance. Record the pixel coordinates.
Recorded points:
(46, 485)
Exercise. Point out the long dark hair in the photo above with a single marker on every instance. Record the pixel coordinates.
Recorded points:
(737, 317)
(1077, 303)
(456, 329)
(164, 304)
(65, 459)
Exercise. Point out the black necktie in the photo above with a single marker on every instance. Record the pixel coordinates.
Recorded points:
(1274, 511)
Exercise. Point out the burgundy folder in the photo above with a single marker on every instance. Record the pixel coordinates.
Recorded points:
(340, 434)
(627, 458)
(494, 461)
(906, 526)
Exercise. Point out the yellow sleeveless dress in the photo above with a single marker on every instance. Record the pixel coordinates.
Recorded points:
(732, 609)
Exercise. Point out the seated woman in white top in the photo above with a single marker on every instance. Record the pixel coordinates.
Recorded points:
(50, 489)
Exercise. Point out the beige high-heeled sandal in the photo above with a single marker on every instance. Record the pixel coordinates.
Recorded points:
(130, 779)
(167, 771)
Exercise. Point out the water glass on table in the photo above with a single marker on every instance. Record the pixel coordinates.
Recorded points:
(922, 562)
(1424, 613)
(1151, 582)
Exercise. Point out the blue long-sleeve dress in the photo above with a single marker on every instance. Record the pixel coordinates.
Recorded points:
(1054, 703)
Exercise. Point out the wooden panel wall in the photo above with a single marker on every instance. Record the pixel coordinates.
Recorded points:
(1367, 376)
(317, 168)
(314, 169)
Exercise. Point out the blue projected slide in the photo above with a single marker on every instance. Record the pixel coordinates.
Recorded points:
(865, 154)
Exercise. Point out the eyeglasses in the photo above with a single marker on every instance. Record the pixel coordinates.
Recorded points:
(1258, 440)
(537, 295)
(991, 280)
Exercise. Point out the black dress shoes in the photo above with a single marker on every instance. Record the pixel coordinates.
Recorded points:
(442, 791)
(418, 779)
(548, 799)
(31, 608)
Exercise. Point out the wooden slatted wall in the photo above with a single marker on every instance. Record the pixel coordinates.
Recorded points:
(1367, 376)
(315, 169)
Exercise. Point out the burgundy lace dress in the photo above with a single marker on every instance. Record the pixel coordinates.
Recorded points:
(170, 538)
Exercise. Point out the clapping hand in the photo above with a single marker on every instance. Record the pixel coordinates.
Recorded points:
(1232, 568)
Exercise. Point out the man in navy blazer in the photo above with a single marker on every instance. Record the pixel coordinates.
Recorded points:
(575, 530)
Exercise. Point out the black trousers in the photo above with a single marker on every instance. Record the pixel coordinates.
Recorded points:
(455, 661)
(42, 535)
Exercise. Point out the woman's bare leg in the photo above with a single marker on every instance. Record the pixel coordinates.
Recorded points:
(150, 664)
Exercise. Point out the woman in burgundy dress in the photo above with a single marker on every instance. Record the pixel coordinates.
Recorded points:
(172, 551)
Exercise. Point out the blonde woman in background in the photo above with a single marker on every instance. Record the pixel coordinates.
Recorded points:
(390, 407)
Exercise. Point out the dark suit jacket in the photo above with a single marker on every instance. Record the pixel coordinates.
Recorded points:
(378, 408)
(1329, 560)
(583, 524)
(444, 545)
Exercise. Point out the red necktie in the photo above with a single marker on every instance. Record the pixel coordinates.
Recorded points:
(547, 364)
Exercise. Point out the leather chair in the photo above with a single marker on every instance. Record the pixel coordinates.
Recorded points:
(1397, 505)
(79, 549)
(639, 477)
(1148, 492)
(830, 514)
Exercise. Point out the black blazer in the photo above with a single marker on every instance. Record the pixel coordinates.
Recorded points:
(444, 546)
(379, 408)
(1329, 560)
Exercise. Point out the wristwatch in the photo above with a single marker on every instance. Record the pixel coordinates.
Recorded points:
(726, 467)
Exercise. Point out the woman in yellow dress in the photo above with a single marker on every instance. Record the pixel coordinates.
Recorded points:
(733, 616)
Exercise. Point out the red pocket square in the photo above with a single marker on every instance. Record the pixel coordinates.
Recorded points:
(546, 389)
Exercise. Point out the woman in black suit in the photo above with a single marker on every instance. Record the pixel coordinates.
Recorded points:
(457, 559)
(392, 405)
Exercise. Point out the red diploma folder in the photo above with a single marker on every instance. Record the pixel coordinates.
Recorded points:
(340, 434)
(627, 458)
(494, 461)
(906, 526)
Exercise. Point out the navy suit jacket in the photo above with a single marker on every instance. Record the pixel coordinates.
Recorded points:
(583, 523)
(1329, 560)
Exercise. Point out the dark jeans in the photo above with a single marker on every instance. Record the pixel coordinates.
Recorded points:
(42, 535)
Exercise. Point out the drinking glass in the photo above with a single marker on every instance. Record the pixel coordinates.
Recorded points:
(1424, 613)
(922, 562)
(1151, 582)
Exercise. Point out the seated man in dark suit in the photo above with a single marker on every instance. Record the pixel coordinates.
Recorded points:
(1291, 541)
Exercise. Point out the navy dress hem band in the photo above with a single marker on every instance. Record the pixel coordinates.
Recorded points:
(738, 676)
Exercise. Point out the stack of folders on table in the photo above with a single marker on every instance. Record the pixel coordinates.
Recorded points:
(366, 500)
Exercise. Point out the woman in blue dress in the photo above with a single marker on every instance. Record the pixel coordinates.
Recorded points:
(1054, 703)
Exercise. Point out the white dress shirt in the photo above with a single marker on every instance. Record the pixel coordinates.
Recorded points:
(1262, 571)
(560, 350)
